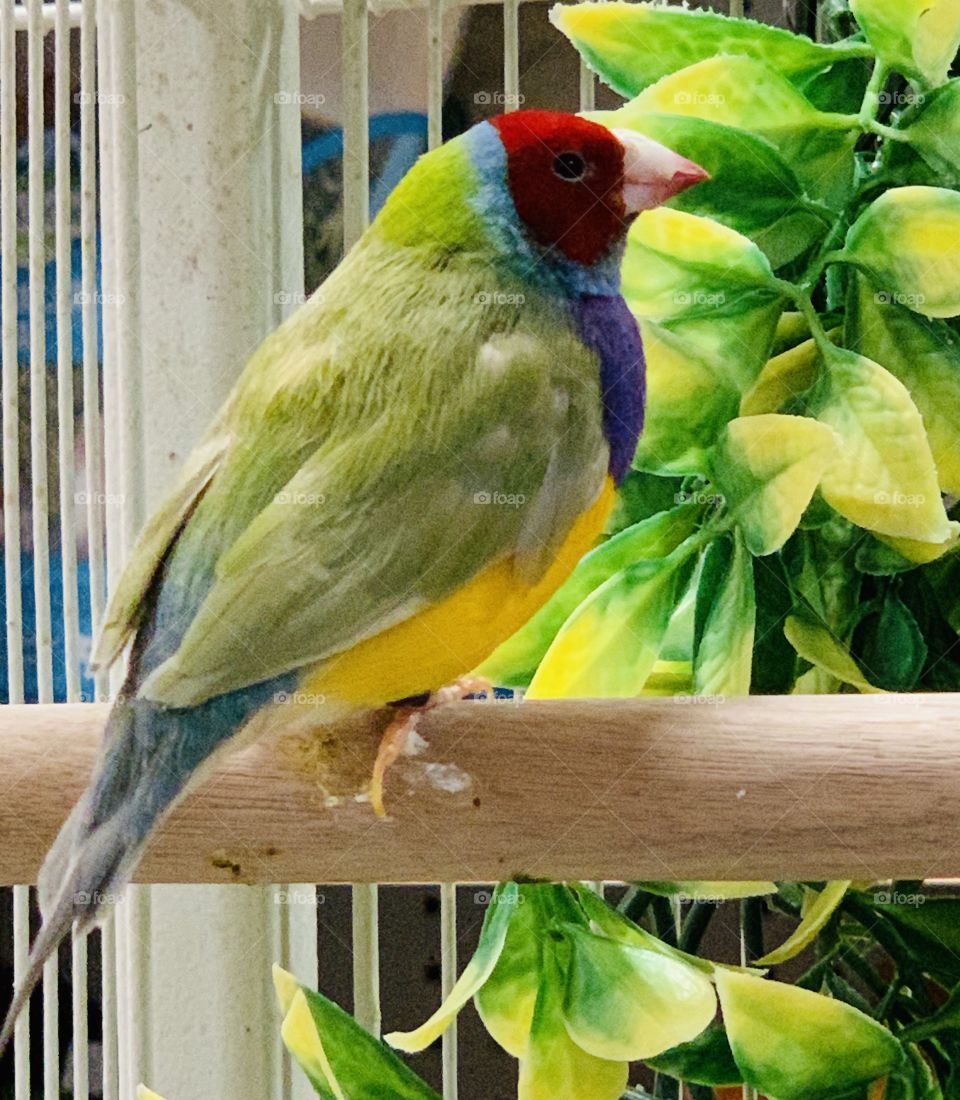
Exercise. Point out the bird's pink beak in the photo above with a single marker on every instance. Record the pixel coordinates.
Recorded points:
(652, 173)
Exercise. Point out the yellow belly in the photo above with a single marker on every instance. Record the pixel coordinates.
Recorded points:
(447, 640)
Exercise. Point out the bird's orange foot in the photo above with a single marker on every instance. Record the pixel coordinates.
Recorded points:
(397, 733)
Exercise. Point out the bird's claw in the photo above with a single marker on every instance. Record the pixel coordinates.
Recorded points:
(398, 731)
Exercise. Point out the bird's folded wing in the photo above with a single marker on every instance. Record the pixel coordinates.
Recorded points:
(492, 460)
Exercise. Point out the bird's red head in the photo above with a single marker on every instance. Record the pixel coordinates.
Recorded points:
(577, 185)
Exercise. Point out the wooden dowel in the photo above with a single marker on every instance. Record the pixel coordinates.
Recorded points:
(792, 788)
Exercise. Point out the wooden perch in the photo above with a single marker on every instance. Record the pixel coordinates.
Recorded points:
(801, 787)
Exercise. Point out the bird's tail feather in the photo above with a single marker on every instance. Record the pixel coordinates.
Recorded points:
(149, 756)
(100, 843)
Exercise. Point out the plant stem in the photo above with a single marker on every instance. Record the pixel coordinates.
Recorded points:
(801, 299)
(696, 924)
(870, 107)
(751, 923)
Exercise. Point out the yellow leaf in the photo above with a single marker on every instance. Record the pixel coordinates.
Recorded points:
(815, 918)
(906, 241)
(817, 645)
(884, 477)
(301, 1038)
(767, 468)
(143, 1093)
(784, 377)
(918, 38)
(925, 356)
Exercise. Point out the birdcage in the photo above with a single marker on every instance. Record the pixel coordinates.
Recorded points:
(151, 211)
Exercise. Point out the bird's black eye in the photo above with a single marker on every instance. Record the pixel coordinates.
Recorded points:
(569, 166)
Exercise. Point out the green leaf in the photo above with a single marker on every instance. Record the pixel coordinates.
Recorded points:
(634, 45)
(339, 1057)
(751, 187)
(709, 891)
(774, 658)
(784, 378)
(608, 647)
(932, 129)
(767, 468)
(708, 311)
(507, 999)
(814, 643)
(931, 928)
(613, 924)
(925, 356)
(946, 1017)
(626, 1002)
(753, 95)
(678, 265)
(554, 1064)
(796, 1045)
(890, 646)
(814, 921)
(918, 38)
(726, 618)
(706, 1060)
(884, 477)
(503, 905)
(877, 559)
(905, 241)
(515, 662)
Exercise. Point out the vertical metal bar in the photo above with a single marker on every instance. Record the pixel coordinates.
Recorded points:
(737, 8)
(92, 431)
(81, 1043)
(448, 976)
(40, 503)
(108, 978)
(21, 950)
(11, 476)
(8, 352)
(434, 73)
(356, 132)
(63, 220)
(588, 88)
(511, 55)
(356, 214)
(366, 957)
(38, 358)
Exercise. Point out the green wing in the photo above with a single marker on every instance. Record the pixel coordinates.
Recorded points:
(420, 438)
